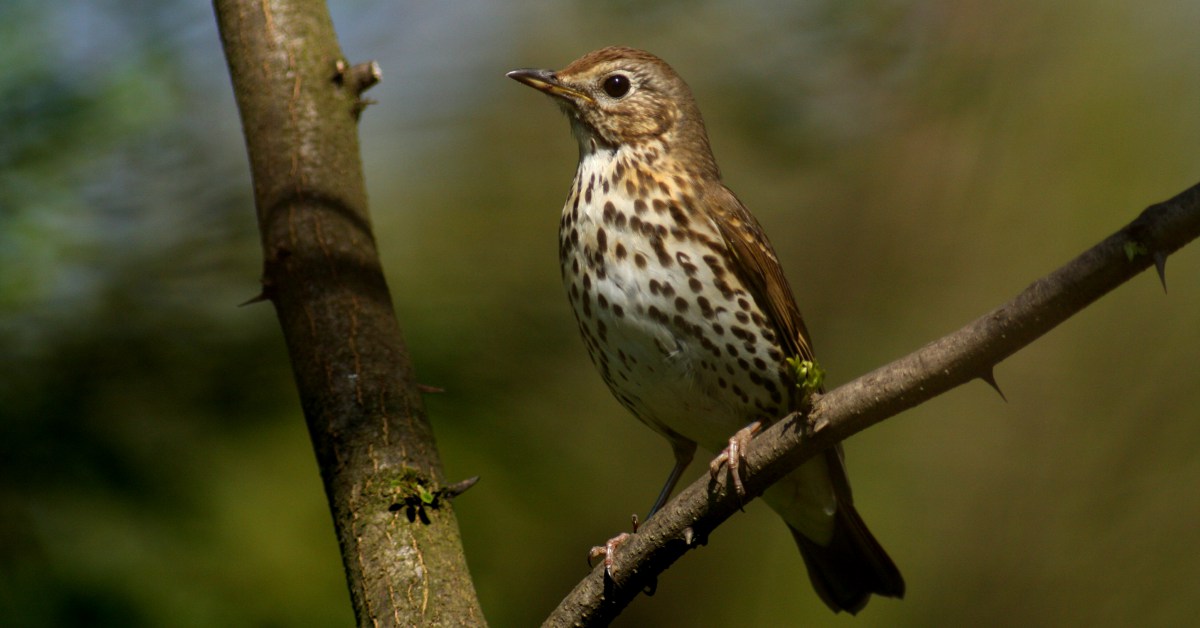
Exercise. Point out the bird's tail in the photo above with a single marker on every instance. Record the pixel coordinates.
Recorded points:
(852, 566)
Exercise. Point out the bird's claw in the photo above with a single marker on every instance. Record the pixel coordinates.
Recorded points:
(610, 548)
(733, 456)
(608, 551)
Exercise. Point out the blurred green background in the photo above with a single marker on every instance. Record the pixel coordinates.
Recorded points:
(916, 163)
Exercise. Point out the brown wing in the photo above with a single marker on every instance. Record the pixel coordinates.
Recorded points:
(852, 565)
(755, 264)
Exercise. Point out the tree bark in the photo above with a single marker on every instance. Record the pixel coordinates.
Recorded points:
(299, 104)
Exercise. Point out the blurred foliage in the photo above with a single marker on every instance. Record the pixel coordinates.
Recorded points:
(915, 163)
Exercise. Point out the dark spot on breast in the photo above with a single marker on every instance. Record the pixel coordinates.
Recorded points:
(660, 206)
(695, 284)
(681, 304)
(732, 350)
(618, 311)
(610, 212)
(602, 244)
(680, 218)
(639, 260)
(602, 301)
(619, 251)
(639, 208)
(742, 317)
(723, 287)
(660, 250)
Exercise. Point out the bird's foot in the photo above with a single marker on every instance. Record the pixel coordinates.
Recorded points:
(609, 549)
(733, 456)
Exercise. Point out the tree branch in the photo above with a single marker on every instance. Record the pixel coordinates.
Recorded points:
(969, 353)
(299, 102)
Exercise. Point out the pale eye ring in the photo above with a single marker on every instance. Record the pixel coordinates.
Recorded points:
(616, 85)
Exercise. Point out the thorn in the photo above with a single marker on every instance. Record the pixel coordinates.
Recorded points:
(989, 377)
(258, 298)
(1160, 264)
(458, 488)
(634, 520)
(689, 535)
(430, 389)
(366, 75)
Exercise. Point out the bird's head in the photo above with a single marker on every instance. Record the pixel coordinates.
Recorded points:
(625, 97)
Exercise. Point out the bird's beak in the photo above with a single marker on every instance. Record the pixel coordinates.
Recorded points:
(546, 81)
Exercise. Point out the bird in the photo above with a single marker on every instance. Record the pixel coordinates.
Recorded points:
(683, 306)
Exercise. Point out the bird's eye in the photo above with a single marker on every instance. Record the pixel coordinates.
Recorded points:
(616, 85)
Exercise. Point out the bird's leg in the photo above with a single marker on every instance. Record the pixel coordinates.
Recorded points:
(733, 455)
(684, 450)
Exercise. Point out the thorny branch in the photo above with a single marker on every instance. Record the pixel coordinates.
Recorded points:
(967, 354)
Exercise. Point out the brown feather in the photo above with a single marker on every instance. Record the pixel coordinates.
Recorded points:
(757, 266)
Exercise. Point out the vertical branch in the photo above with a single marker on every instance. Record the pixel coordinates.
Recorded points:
(299, 104)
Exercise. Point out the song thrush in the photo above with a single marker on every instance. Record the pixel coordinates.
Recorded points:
(683, 305)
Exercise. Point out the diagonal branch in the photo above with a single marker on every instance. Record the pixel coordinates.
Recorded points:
(969, 353)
